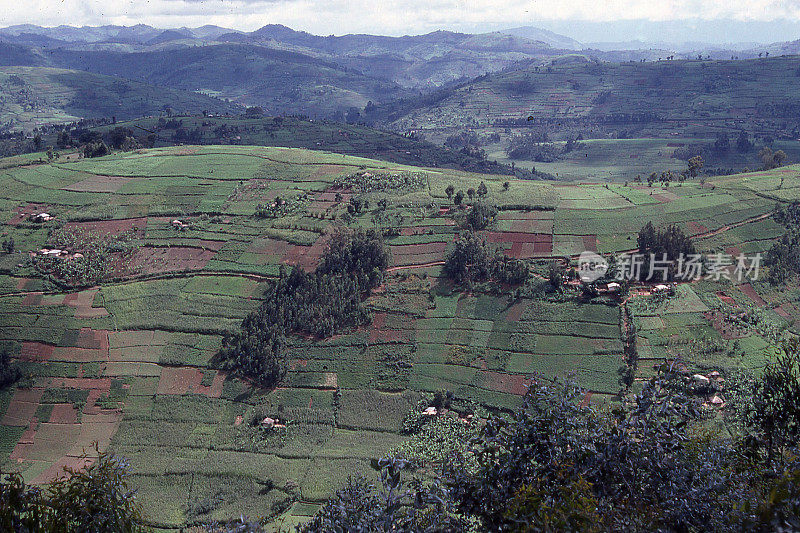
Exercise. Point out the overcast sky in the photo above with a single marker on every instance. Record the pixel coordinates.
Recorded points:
(386, 17)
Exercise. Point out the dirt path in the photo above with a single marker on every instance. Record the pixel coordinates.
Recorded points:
(422, 265)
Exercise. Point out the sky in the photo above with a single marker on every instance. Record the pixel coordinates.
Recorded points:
(391, 17)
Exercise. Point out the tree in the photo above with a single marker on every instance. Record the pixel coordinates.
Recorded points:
(255, 111)
(668, 243)
(9, 373)
(90, 499)
(509, 270)
(555, 275)
(63, 140)
(482, 190)
(119, 135)
(320, 304)
(695, 164)
(392, 506)
(458, 198)
(558, 465)
(774, 411)
(743, 143)
(471, 193)
(481, 215)
(722, 144)
(8, 245)
(469, 260)
(449, 192)
(98, 149)
(771, 159)
(506, 185)
(37, 142)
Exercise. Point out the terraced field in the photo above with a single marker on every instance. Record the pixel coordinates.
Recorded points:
(127, 361)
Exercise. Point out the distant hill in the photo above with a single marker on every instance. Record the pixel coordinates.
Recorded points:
(417, 62)
(663, 98)
(281, 81)
(31, 96)
(539, 34)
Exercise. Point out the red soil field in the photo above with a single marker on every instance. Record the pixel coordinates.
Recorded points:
(695, 228)
(112, 227)
(751, 293)
(82, 303)
(268, 246)
(37, 298)
(56, 470)
(515, 311)
(524, 250)
(23, 212)
(726, 330)
(514, 237)
(379, 333)
(36, 351)
(307, 257)
(727, 299)
(61, 441)
(64, 413)
(498, 381)
(733, 251)
(152, 260)
(187, 380)
(329, 169)
(22, 407)
(781, 311)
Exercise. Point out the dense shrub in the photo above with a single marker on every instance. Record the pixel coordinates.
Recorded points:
(669, 242)
(559, 464)
(393, 505)
(783, 257)
(9, 373)
(470, 260)
(481, 215)
(91, 499)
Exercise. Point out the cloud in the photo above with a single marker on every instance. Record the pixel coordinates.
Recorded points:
(382, 16)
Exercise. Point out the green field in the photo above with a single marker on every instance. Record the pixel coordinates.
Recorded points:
(128, 362)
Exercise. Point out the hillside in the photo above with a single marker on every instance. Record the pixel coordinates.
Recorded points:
(129, 359)
(643, 117)
(32, 96)
(294, 132)
(280, 81)
(661, 98)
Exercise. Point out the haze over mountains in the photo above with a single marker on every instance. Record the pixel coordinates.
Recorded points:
(342, 77)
